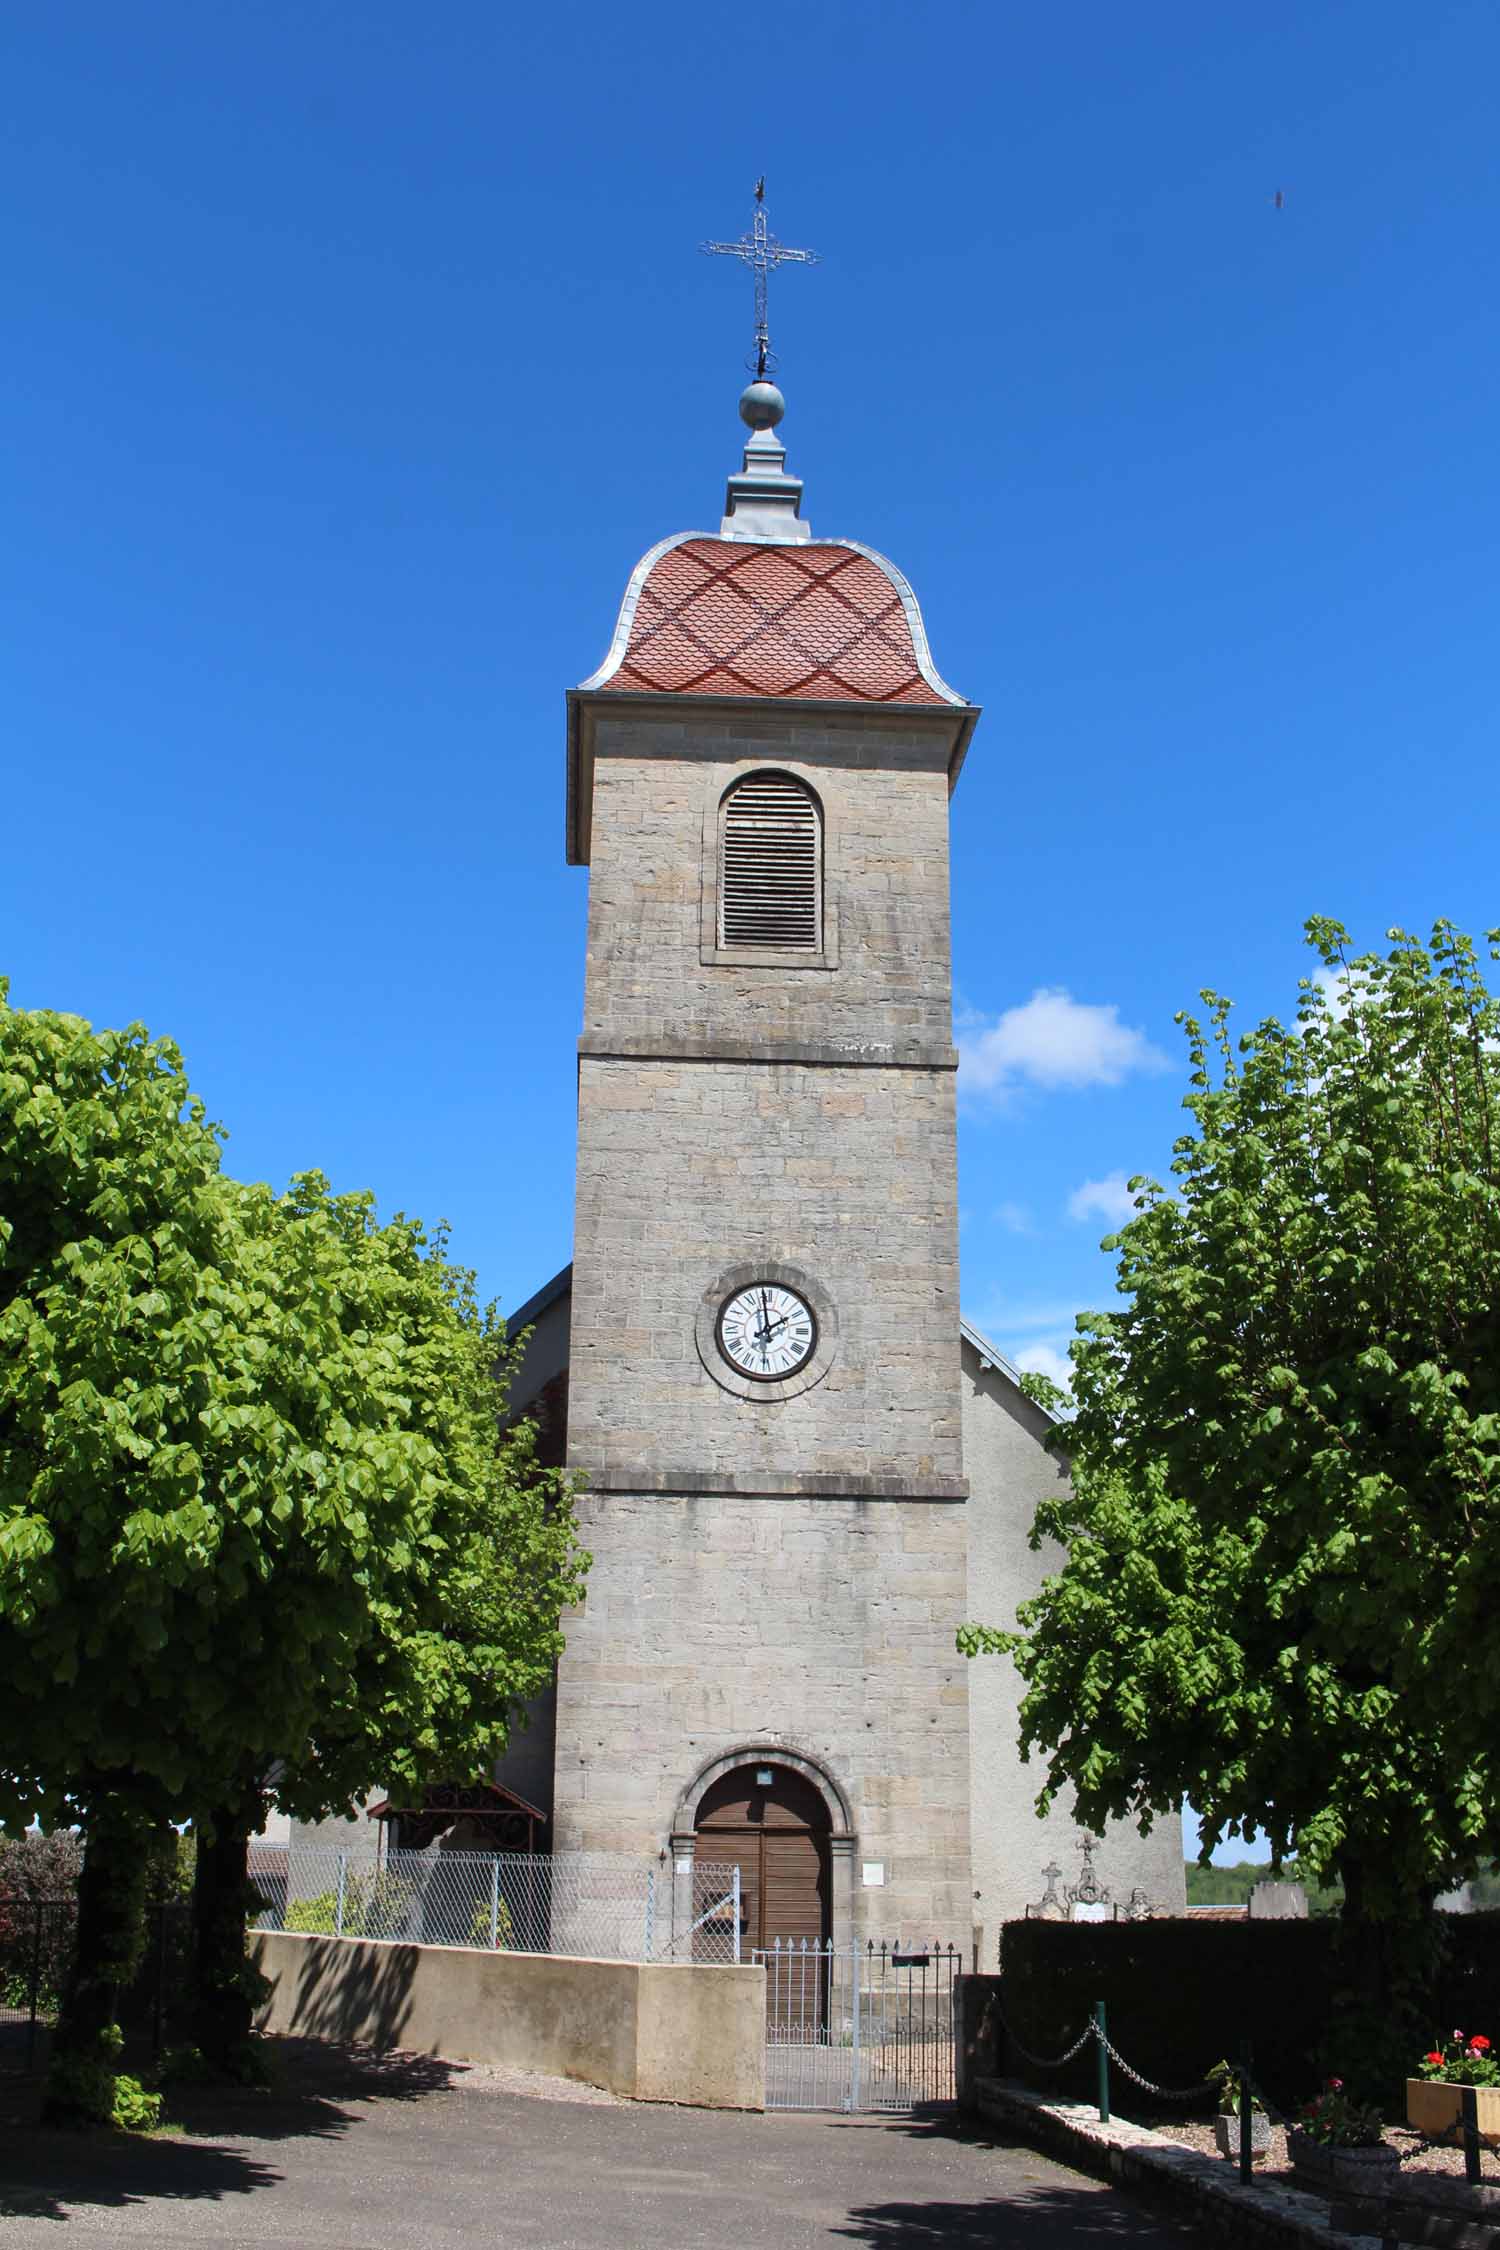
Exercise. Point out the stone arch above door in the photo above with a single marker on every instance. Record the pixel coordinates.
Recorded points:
(840, 1819)
(840, 1836)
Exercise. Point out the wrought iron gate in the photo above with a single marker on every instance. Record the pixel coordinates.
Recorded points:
(858, 2028)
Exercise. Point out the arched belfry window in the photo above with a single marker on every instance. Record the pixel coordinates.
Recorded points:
(771, 865)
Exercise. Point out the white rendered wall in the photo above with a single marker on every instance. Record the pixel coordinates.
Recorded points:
(1009, 1471)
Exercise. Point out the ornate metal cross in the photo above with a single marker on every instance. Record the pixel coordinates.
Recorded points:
(761, 251)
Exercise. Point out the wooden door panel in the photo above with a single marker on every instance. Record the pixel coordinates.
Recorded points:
(792, 1887)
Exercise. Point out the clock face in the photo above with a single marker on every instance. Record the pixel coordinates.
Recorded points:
(767, 1331)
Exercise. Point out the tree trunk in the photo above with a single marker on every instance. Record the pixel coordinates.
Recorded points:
(1388, 1955)
(226, 1987)
(107, 1952)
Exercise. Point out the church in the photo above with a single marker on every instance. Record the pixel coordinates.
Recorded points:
(802, 1469)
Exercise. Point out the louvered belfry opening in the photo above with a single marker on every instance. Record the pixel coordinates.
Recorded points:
(771, 865)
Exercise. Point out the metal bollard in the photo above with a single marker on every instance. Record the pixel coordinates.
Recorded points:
(1469, 2102)
(1247, 2103)
(1103, 2053)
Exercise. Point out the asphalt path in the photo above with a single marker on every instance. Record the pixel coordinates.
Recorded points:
(363, 2154)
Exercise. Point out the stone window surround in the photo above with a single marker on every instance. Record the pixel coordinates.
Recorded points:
(711, 954)
(843, 1839)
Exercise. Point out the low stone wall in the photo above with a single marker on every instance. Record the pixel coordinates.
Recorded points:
(1263, 2215)
(657, 2034)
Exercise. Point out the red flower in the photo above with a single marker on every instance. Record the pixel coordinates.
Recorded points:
(1433, 2057)
(1335, 2085)
(1479, 2045)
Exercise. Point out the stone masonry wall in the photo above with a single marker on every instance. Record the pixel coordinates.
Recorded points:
(687, 1169)
(824, 1627)
(748, 1592)
(884, 791)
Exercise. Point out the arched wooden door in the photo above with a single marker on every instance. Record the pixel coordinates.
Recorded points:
(775, 1826)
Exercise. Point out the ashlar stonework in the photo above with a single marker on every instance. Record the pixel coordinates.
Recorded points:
(781, 1561)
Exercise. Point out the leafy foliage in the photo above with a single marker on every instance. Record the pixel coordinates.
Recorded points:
(255, 1500)
(258, 1507)
(1283, 1533)
(376, 1904)
(85, 2087)
(1231, 1885)
(1334, 2119)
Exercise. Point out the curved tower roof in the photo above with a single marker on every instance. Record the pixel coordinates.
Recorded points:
(826, 619)
(763, 612)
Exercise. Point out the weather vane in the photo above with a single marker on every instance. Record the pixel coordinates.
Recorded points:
(761, 251)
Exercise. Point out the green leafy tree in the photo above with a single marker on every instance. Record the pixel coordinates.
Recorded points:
(1282, 1534)
(461, 1627)
(246, 1458)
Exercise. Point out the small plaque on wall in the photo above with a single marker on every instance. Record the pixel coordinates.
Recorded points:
(873, 1872)
(683, 1866)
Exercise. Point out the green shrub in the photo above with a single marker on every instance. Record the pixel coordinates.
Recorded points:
(375, 1905)
(87, 2088)
(1182, 1992)
(134, 2110)
(481, 1931)
(316, 1916)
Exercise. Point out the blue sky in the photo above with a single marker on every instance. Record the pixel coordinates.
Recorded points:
(355, 353)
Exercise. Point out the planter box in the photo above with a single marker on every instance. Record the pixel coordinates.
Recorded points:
(1227, 2133)
(1353, 2171)
(1434, 2107)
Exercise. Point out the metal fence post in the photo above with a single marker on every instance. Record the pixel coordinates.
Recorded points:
(1100, 2035)
(650, 1911)
(1469, 2101)
(736, 1889)
(338, 1917)
(854, 2073)
(36, 1980)
(494, 1906)
(1246, 2104)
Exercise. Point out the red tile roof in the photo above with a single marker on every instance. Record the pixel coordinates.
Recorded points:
(726, 617)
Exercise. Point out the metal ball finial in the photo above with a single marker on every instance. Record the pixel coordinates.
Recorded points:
(761, 405)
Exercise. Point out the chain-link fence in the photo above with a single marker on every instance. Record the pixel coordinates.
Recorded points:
(580, 1903)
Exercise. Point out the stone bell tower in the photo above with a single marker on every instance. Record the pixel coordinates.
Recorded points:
(765, 1373)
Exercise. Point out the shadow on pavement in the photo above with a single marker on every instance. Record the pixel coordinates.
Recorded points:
(50, 2174)
(55, 2174)
(1027, 2220)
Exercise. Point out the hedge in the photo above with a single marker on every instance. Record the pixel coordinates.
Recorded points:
(1183, 1993)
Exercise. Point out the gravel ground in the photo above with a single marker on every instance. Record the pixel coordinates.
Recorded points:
(1276, 2165)
(497, 2078)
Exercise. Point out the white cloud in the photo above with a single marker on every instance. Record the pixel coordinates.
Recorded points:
(1052, 1040)
(1108, 1199)
(1334, 986)
(1014, 1217)
(1045, 1359)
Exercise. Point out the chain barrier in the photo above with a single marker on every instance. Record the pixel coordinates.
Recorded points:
(1043, 2062)
(1194, 2093)
(1090, 2031)
(1423, 2143)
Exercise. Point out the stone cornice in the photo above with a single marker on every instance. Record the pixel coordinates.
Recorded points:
(760, 1484)
(828, 1054)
